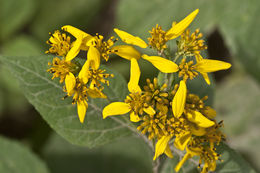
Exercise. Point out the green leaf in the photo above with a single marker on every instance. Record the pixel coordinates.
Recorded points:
(232, 163)
(238, 104)
(235, 19)
(125, 155)
(16, 158)
(11, 94)
(46, 96)
(14, 15)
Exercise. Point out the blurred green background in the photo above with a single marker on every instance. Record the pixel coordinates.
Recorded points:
(230, 27)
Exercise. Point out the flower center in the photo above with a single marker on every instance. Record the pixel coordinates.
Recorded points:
(60, 44)
(158, 38)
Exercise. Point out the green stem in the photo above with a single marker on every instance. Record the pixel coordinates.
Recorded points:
(177, 57)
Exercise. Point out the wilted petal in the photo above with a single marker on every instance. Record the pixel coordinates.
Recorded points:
(135, 73)
(130, 39)
(127, 52)
(199, 119)
(162, 64)
(116, 108)
(161, 146)
(178, 28)
(179, 100)
(82, 109)
(208, 65)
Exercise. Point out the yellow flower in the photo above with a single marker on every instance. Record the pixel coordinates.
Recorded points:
(188, 70)
(93, 61)
(61, 68)
(60, 44)
(82, 41)
(130, 53)
(135, 103)
(178, 108)
(119, 108)
(205, 66)
(104, 47)
(177, 29)
(159, 37)
(190, 45)
(77, 86)
(206, 154)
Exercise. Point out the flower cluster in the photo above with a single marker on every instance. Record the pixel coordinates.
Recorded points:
(85, 81)
(168, 113)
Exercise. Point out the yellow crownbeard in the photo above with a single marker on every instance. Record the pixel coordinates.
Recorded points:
(84, 82)
(168, 114)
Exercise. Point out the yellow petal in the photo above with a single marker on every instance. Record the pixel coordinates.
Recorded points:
(198, 131)
(182, 140)
(204, 75)
(130, 39)
(116, 108)
(83, 74)
(208, 65)
(135, 73)
(94, 57)
(73, 52)
(70, 82)
(179, 100)
(161, 146)
(199, 119)
(77, 33)
(178, 28)
(162, 64)
(149, 110)
(127, 52)
(82, 108)
(206, 78)
(183, 160)
(168, 151)
(134, 117)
